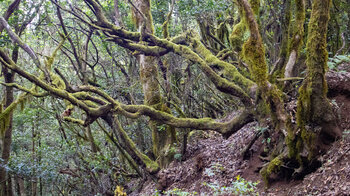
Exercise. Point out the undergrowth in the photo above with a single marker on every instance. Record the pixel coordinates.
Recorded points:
(240, 187)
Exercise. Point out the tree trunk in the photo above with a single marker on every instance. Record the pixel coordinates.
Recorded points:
(34, 159)
(297, 39)
(163, 137)
(21, 186)
(129, 146)
(7, 140)
(317, 125)
(315, 117)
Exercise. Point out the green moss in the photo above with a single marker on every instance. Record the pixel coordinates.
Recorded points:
(304, 106)
(272, 167)
(254, 55)
(312, 102)
(309, 139)
(228, 70)
(151, 166)
(237, 35)
(294, 145)
(57, 81)
(222, 32)
(263, 109)
(298, 26)
(239, 32)
(290, 142)
(6, 115)
(255, 5)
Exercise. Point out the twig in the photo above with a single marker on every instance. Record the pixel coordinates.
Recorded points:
(290, 78)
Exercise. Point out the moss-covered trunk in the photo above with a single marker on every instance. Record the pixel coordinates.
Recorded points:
(315, 117)
(240, 30)
(316, 123)
(6, 123)
(6, 129)
(285, 23)
(163, 137)
(7, 137)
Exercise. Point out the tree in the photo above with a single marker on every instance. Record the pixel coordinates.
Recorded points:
(9, 100)
(245, 81)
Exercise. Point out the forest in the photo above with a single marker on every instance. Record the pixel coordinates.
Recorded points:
(174, 97)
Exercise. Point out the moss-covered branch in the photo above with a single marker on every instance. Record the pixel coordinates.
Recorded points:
(221, 83)
(42, 84)
(141, 158)
(162, 46)
(74, 120)
(30, 91)
(133, 111)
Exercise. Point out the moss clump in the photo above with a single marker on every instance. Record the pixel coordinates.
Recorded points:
(237, 35)
(151, 166)
(303, 106)
(272, 167)
(294, 145)
(222, 32)
(228, 70)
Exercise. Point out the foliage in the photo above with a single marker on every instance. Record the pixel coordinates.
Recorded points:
(179, 192)
(214, 169)
(335, 61)
(119, 191)
(239, 187)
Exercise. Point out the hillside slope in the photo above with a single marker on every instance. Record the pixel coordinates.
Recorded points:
(213, 163)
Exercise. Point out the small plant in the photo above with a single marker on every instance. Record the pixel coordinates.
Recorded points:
(179, 192)
(239, 187)
(161, 127)
(175, 191)
(214, 169)
(178, 156)
(119, 191)
(346, 133)
(337, 60)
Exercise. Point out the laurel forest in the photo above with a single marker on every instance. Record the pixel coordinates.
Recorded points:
(100, 96)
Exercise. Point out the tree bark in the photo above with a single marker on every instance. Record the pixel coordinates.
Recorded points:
(162, 140)
(9, 98)
(315, 116)
(297, 38)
